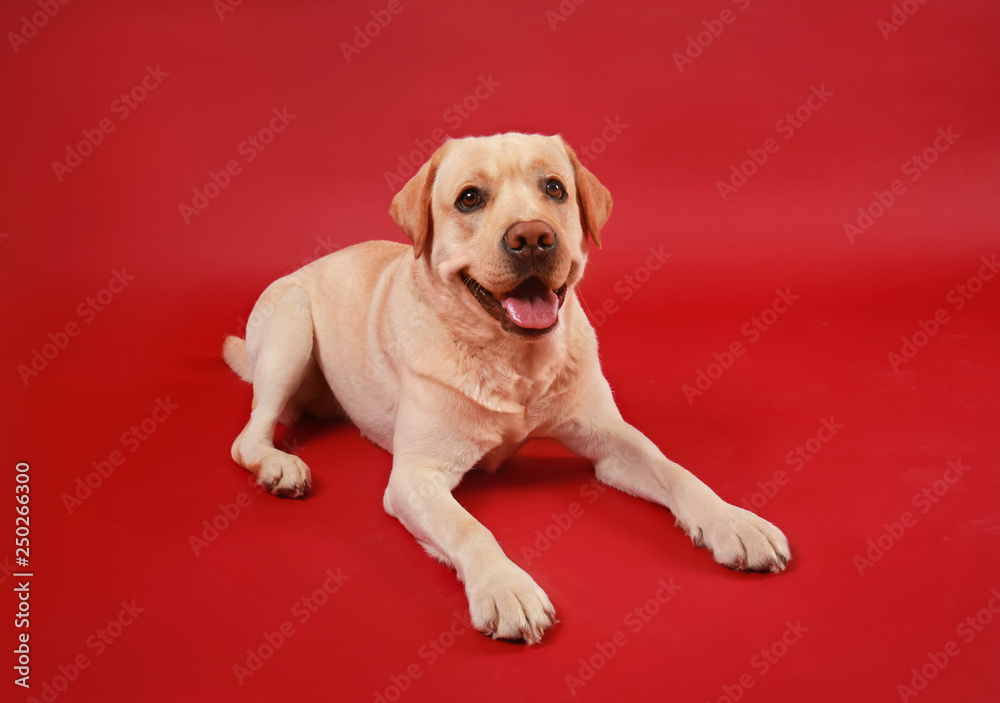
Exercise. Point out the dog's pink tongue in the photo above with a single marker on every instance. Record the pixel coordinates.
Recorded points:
(532, 306)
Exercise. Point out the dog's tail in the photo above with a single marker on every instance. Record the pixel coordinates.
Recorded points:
(234, 351)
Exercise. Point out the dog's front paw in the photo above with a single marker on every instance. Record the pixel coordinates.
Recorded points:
(284, 475)
(506, 603)
(741, 540)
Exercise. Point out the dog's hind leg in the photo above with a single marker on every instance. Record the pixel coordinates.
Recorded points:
(279, 352)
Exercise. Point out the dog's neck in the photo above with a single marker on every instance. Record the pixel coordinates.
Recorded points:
(483, 362)
(501, 370)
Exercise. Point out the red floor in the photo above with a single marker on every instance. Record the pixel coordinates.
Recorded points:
(851, 262)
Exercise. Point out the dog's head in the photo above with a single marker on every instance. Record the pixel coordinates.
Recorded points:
(503, 222)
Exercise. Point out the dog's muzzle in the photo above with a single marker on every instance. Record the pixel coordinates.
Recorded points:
(530, 310)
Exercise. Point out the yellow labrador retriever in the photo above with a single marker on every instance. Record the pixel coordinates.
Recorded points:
(452, 353)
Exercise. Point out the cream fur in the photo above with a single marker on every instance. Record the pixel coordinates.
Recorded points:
(389, 335)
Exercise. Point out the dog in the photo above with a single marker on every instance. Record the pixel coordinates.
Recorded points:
(455, 351)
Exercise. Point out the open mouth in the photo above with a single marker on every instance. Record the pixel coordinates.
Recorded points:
(530, 310)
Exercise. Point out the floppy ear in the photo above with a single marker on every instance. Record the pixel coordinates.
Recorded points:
(411, 207)
(594, 199)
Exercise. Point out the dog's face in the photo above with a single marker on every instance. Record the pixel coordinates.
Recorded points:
(503, 221)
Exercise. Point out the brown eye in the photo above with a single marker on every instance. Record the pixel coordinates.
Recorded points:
(555, 189)
(469, 199)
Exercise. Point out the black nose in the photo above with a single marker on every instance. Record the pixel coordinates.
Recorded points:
(530, 239)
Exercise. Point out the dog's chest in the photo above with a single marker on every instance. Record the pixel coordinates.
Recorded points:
(511, 431)
(504, 432)
(516, 386)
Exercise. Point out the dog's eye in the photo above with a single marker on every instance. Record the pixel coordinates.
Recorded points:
(555, 189)
(469, 199)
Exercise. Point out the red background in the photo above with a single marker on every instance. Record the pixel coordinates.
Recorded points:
(321, 184)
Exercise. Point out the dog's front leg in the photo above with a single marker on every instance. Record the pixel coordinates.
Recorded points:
(504, 601)
(626, 459)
